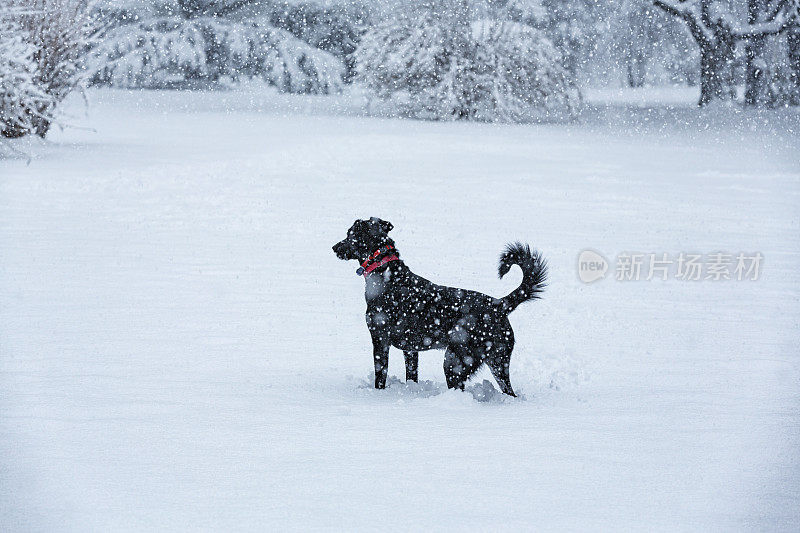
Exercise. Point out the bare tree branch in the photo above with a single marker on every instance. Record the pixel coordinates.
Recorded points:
(695, 26)
(773, 27)
(221, 9)
(779, 7)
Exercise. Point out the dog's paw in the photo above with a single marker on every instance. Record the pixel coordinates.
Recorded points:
(487, 392)
(483, 392)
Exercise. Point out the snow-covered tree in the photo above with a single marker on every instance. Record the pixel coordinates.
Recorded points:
(335, 28)
(768, 70)
(649, 46)
(452, 67)
(717, 30)
(41, 44)
(203, 40)
(573, 26)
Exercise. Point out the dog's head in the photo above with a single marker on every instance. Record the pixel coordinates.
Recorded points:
(363, 238)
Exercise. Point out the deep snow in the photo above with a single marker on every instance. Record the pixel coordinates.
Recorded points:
(181, 350)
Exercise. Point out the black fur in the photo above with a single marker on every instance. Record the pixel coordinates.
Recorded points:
(412, 314)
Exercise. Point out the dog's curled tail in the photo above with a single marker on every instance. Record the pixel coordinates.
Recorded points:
(534, 273)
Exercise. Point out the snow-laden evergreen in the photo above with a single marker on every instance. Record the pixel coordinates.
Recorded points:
(335, 28)
(447, 69)
(203, 46)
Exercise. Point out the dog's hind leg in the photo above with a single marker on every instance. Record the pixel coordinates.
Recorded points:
(498, 361)
(459, 365)
(500, 373)
(412, 364)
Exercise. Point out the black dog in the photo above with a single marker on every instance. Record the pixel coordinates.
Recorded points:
(413, 314)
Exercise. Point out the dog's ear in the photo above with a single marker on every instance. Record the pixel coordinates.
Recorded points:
(384, 225)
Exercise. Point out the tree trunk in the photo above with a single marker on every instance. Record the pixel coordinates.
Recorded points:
(716, 73)
(755, 74)
(707, 79)
(636, 69)
(632, 79)
(793, 45)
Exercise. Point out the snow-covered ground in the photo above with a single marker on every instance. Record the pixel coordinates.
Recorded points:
(181, 350)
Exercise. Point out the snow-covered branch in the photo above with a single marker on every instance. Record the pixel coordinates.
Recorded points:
(213, 8)
(781, 19)
(160, 51)
(704, 18)
(688, 11)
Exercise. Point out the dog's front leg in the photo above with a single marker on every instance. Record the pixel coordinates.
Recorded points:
(380, 355)
(412, 363)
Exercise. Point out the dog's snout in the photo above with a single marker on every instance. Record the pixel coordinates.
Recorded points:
(339, 249)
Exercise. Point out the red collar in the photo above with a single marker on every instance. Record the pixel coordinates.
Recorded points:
(372, 262)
